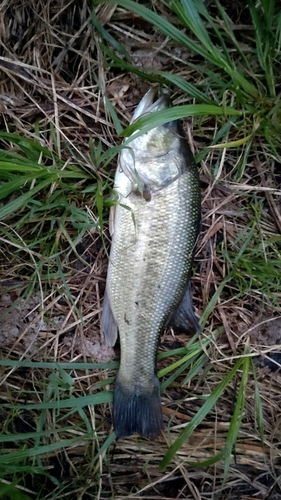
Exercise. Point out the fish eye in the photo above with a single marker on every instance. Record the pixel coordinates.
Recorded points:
(171, 125)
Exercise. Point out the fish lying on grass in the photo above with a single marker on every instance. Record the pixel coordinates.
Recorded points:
(155, 227)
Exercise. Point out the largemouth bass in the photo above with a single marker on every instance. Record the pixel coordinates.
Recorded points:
(154, 230)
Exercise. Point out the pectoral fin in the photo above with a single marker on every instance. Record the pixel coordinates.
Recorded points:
(108, 323)
(112, 220)
(183, 317)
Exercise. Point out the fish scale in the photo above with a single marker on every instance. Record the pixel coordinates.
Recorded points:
(149, 267)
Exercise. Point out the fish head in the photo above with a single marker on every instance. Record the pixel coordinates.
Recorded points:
(153, 160)
(159, 140)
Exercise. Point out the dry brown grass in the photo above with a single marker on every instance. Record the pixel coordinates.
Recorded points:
(53, 77)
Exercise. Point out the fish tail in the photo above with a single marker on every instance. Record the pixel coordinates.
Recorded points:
(137, 410)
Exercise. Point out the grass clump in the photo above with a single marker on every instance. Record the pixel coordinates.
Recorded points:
(236, 69)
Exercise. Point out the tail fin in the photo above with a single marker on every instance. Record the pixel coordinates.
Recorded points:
(137, 410)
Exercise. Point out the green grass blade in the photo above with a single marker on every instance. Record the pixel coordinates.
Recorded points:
(258, 405)
(268, 7)
(109, 440)
(213, 302)
(108, 37)
(121, 64)
(264, 41)
(113, 114)
(162, 24)
(197, 365)
(200, 415)
(28, 146)
(24, 166)
(17, 183)
(191, 18)
(92, 399)
(207, 463)
(33, 452)
(191, 354)
(227, 26)
(16, 204)
(150, 75)
(236, 420)
(259, 33)
(163, 116)
(30, 435)
(213, 55)
(10, 491)
(277, 41)
(187, 87)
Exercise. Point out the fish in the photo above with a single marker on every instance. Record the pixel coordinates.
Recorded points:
(154, 229)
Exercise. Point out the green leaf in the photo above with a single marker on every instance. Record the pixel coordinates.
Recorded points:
(109, 440)
(161, 23)
(40, 450)
(31, 435)
(108, 37)
(115, 119)
(237, 416)
(28, 146)
(12, 492)
(158, 118)
(16, 204)
(187, 87)
(92, 399)
(200, 415)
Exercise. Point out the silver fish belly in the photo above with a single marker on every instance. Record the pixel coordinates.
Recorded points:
(155, 229)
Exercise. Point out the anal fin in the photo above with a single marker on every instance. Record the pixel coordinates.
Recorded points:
(183, 318)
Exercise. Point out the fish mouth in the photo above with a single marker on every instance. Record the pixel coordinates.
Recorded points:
(146, 105)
